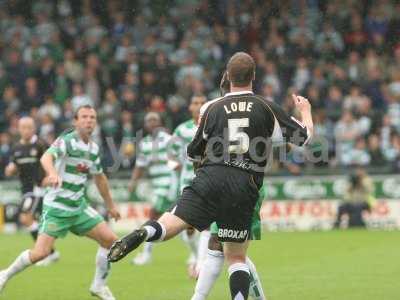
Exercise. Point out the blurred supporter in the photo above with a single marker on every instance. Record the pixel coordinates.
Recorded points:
(79, 97)
(5, 152)
(57, 55)
(356, 201)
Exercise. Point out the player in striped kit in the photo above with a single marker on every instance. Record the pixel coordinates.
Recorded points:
(178, 161)
(152, 157)
(67, 163)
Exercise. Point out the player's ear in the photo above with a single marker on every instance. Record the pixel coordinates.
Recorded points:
(227, 75)
(224, 84)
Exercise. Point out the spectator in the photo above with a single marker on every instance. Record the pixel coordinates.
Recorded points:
(34, 53)
(346, 132)
(354, 100)
(49, 107)
(354, 67)
(130, 101)
(47, 129)
(356, 200)
(46, 76)
(357, 156)
(5, 152)
(31, 97)
(62, 85)
(377, 158)
(79, 97)
(342, 57)
(109, 114)
(16, 69)
(302, 75)
(10, 103)
(334, 103)
(271, 78)
(329, 42)
(73, 68)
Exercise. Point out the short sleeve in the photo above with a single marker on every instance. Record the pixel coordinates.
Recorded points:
(197, 147)
(292, 130)
(58, 148)
(143, 158)
(175, 147)
(96, 167)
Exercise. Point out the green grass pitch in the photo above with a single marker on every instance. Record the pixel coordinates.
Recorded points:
(346, 265)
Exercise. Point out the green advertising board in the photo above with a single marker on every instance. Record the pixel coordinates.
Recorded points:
(278, 188)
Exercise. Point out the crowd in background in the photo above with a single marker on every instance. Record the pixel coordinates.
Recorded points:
(129, 57)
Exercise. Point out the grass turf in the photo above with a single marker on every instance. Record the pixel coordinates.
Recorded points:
(350, 265)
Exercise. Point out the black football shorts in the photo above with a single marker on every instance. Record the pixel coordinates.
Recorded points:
(221, 194)
(31, 204)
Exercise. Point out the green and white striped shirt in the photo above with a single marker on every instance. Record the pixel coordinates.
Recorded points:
(182, 137)
(74, 160)
(152, 155)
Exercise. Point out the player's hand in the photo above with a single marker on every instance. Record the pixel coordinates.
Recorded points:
(10, 170)
(301, 103)
(52, 180)
(113, 212)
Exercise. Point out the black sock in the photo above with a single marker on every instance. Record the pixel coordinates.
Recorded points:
(154, 233)
(239, 281)
(34, 234)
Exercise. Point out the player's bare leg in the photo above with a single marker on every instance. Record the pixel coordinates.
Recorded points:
(41, 249)
(239, 273)
(164, 229)
(28, 220)
(105, 238)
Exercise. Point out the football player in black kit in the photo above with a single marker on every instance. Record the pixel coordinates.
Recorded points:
(25, 161)
(231, 148)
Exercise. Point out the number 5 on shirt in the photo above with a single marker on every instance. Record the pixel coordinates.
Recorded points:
(239, 141)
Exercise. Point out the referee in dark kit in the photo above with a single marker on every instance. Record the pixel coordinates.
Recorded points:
(25, 161)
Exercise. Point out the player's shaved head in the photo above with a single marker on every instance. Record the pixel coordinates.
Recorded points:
(152, 120)
(26, 121)
(241, 69)
(152, 116)
(26, 128)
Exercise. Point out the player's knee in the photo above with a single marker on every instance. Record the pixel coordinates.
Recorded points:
(38, 254)
(214, 244)
(233, 258)
(108, 241)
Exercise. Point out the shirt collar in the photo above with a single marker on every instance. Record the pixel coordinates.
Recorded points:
(33, 140)
(239, 93)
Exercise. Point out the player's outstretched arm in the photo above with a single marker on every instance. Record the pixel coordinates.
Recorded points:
(101, 182)
(11, 169)
(304, 107)
(294, 131)
(52, 178)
